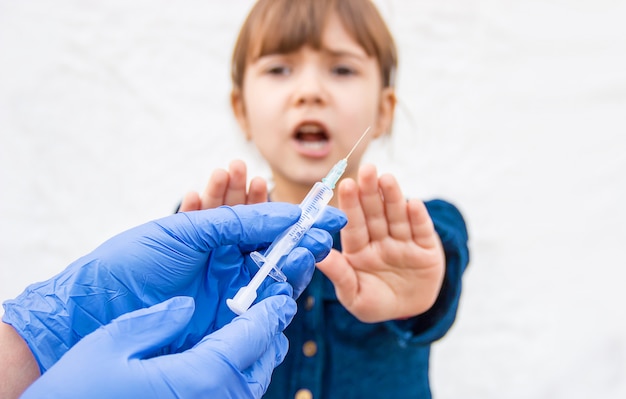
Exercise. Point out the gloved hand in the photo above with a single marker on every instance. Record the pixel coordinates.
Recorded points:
(117, 360)
(202, 254)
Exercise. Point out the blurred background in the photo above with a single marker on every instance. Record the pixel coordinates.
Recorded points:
(513, 110)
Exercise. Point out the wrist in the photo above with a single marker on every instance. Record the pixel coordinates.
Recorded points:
(19, 368)
(37, 321)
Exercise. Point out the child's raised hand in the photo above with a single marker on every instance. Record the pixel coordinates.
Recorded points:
(392, 264)
(227, 187)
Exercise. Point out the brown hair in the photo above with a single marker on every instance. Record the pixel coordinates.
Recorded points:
(283, 26)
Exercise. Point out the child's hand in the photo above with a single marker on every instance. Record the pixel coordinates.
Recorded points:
(392, 264)
(227, 188)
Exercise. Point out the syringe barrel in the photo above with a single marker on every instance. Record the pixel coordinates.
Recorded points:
(312, 207)
(271, 262)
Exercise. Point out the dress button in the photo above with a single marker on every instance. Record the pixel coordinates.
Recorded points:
(309, 348)
(310, 302)
(303, 394)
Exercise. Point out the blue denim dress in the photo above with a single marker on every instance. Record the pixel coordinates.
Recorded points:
(333, 355)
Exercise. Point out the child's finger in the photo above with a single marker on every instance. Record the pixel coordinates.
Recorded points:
(342, 275)
(191, 202)
(236, 190)
(372, 203)
(422, 227)
(258, 191)
(213, 195)
(355, 234)
(395, 208)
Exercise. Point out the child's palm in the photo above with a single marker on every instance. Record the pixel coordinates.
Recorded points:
(392, 262)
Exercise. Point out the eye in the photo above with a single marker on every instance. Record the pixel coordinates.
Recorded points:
(279, 70)
(342, 70)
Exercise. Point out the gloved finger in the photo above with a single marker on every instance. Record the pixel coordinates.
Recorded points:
(319, 242)
(274, 288)
(331, 220)
(271, 287)
(256, 225)
(244, 340)
(298, 269)
(259, 374)
(142, 332)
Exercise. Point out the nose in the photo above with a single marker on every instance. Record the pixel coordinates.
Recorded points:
(309, 88)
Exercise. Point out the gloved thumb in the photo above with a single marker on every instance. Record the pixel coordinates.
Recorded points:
(144, 331)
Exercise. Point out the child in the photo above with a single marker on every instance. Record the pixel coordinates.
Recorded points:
(309, 76)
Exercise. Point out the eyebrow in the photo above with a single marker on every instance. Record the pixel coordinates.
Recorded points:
(344, 53)
(335, 53)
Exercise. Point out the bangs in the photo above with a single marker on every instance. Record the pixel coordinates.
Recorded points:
(289, 26)
(284, 26)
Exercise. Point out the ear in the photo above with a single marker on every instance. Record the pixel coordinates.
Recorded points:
(239, 110)
(386, 111)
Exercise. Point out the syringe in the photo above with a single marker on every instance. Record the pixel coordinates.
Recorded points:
(270, 263)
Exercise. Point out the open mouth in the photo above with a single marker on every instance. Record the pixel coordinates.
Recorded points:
(312, 136)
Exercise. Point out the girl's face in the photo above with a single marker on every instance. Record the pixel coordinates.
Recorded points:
(306, 109)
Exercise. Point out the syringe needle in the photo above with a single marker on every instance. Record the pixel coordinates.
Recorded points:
(357, 143)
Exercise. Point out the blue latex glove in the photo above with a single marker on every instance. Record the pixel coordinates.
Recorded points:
(203, 255)
(116, 360)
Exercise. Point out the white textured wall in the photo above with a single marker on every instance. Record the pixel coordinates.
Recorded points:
(515, 110)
